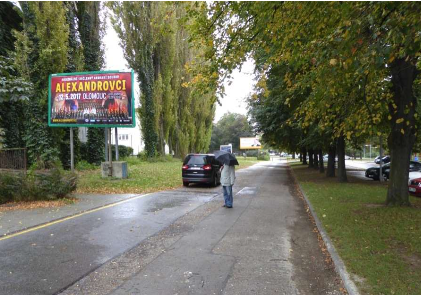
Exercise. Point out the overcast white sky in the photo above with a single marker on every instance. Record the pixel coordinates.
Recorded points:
(241, 86)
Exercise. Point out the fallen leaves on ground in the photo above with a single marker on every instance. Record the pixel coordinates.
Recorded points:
(35, 204)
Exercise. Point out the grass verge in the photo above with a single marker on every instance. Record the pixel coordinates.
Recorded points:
(380, 246)
(144, 177)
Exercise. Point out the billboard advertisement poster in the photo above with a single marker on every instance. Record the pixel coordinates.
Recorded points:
(227, 148)
(91, 99)
(250, 143)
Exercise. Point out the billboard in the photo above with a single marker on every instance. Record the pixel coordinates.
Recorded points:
(227, 148)
(91, 99)
(250, 143)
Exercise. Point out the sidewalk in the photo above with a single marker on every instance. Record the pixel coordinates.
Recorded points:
(264, 245)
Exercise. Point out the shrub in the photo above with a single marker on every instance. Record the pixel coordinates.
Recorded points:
(84, 165)
(36, 185)
(142, 156)
(10, 186)
(251, 153)
(263, 156)
(123, 151)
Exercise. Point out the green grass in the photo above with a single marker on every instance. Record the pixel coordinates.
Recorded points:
(144, 177)
(381, 245)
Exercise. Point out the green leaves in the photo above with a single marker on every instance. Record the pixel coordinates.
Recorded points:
(177, 83)
(12, 87)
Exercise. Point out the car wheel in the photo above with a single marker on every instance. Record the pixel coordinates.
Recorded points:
(185, 183)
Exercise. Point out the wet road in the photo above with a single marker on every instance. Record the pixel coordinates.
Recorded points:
(49, 259)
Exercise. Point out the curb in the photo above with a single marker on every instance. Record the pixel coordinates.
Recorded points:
(350, 286)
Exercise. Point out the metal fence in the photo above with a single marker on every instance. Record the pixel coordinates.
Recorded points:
(13, 159)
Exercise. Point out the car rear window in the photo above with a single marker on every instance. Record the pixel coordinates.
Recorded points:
(197, 160)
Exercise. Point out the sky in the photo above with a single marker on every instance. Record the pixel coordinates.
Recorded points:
(234, 100)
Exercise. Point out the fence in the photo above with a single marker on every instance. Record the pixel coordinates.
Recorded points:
(13, 159)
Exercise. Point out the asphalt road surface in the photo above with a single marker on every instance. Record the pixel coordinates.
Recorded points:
(178, 242)
(47, 260)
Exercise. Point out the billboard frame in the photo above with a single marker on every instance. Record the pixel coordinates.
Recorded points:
(92, 125)
(250, 147)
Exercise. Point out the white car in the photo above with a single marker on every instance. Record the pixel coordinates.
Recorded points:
(414, 174)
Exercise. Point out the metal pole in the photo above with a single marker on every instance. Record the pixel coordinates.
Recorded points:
(110, 155)
(116, 144)
(72, 154)
(370, 151)
(106, 144)
(381, 162)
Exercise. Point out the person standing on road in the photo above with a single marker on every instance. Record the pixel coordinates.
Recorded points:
(227, 181)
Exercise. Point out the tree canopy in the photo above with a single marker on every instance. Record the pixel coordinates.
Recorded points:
(228, 130)
(344, 70)
(155, 39)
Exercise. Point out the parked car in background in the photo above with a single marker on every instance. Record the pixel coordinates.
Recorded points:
(414, 170)
(374, 172)
(201, 168)
(385, 159)
(414, 187)
(326, 157)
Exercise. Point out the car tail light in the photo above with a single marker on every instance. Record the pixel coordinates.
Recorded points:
(185, 167)
(207, 167)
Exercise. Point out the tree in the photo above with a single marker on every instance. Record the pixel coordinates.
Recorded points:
(134, 25)
(91, 30)
(228, 130)
(41, 49)
(356, 58)
(176, 109)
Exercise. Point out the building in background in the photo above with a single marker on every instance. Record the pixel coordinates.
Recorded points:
(131, 137)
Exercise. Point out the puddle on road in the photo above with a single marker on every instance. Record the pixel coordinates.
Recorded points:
(247, 191)
(157, 206)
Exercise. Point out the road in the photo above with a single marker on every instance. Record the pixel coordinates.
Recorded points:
(47, 260)
(178, 242)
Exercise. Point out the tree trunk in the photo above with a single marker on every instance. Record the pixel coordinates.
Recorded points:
(304, 156)
(316, 159)
(321, 164)
(341, 159)
(293, 155)
(310, 158)
(301, 157)
(330, 172)
(402, 135)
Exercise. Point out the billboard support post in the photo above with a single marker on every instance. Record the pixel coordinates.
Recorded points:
(116, 144)
(106, 144)
(72, 153)
(110, 155)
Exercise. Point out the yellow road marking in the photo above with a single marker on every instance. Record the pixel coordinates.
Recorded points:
(6, 236)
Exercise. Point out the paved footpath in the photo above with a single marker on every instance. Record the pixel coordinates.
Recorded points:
(266, 244)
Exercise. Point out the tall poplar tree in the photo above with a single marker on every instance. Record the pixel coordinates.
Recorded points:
(13, 88)
(157, 46)
(134, 25)
(41, 49)
(90, 30)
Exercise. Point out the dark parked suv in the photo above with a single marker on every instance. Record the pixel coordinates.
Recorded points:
(201, 168)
